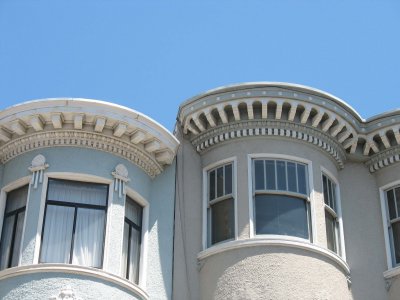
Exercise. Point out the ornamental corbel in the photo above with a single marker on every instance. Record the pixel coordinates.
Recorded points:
(120, 179)
(37, 168)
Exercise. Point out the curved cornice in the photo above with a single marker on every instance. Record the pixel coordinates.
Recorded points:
(86, 123)
(307, 107)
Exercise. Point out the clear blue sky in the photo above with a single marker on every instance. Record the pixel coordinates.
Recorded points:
(152, 55)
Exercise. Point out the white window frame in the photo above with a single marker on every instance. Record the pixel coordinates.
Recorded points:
(385, 220)
(310, 199)
(206, 169)
(340, 240)
(3, 198)
(135, 196)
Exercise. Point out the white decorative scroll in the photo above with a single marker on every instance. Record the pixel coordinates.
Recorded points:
(65, 294)
(37, 168)
(120, 179)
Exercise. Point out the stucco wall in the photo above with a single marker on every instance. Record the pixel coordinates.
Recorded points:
(46, 285)
(275, 273)
(363, 232)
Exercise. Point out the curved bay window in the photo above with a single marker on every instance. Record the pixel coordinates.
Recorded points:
(280, 193)
(132, 240)
(74, 223)
(13, 223)
(393, 214)
(220, 204)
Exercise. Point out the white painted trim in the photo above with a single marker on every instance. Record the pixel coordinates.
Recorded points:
(339, 208)
(280, 242)
(391, 272)
(310, 186)
(388, 246)
(73, 269)
(213, 165)
(108, 225)
(40, 219)
(143, 263)
(3, 198)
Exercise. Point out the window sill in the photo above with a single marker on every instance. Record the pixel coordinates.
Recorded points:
(74, 269)
(392, 272)
(282, 242)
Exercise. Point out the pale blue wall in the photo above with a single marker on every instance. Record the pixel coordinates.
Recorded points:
(159, 192)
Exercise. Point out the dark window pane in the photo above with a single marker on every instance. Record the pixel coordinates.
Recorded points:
(270, 172)
(77, 192)
(396, 241)
(281, 175)
(397, 195)
(330, 193)
(16, 199)
(6, 238)
(283, 215)
(222, 220)
(228, 179)
(212, 185)
(391, 205)
(301, 177)
(17, 239)
(330, 231)
(333, 196)
(57, 234)
(220, 182)
(325, 186)
(259, 174)
(133, 211)
(292, 178)
(125, 250)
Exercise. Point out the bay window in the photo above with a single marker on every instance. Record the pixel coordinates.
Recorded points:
(393, 215)
(220, 204)
(331, 216)
(13, 222)
(132, 240)
(280, 195)
(74, 223)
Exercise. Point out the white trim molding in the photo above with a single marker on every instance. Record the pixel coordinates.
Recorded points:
(78, 270)
(291, 111)
(268, 242)
(385, 223)
(339, 209)
(206, 169)
(310, 186)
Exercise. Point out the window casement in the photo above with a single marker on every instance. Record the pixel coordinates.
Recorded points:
(331, 214)
(281, 198)
(392, 199)
(132, 240)
(220, 204)
(74, 223)
(13, 222)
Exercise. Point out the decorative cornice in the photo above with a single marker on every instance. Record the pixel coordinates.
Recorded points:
(74, 138)
(384, 159)
(295, 104)
(243, 129)
(91, 117)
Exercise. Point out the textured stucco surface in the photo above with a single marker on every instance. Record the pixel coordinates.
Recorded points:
(363, 232)
(41, 286)
(273, 273)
